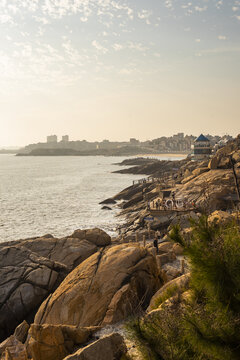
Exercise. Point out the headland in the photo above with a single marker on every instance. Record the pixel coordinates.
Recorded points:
(158, 288)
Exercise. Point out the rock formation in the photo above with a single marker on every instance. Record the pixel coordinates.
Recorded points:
(110, 347)
(105, 288)
(55, 342)
(26, 279)
(31, 269)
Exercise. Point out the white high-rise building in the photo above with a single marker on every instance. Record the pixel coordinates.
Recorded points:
(52, 139)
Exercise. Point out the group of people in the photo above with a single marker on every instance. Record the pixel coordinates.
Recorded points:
(171, 203)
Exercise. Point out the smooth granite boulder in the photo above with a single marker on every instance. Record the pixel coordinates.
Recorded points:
(95, 236)
(179, 283)
(104, 289)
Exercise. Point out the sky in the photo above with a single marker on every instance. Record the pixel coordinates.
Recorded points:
(115, 69)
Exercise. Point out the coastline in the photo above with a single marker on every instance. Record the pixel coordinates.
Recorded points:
(71, 296)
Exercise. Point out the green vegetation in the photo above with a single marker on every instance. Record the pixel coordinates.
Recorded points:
(207, 327)
(168, 293)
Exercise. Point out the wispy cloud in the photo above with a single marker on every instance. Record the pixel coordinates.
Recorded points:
(145, 15)
(99, 47)
(222, 37)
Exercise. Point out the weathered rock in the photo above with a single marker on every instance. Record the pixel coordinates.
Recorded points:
(184, 220)
(108, 201)
(54, 342)
(213, 163)
(96, 236)
(26, 279)
(133, 201)
(129, 192)
(177, 249)
(180, 283)
(187, 179)
(88, 297)
(209, 189)
(224, 162)
(161, 223)
(171, 272)
(200, 171)
(236, 156)
(110, 347)
(12, 349)
(165, 247)
(106, 208)
(21, 331)
(166, 258)
(69, 251)
(220, 217)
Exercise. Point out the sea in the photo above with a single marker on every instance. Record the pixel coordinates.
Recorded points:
(57, 195)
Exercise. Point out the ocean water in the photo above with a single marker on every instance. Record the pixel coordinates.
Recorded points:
(57, 195)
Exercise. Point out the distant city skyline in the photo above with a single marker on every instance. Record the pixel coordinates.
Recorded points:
(53, 138)
(97, 69)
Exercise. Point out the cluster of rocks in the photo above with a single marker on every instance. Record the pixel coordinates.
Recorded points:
(58, 293)
(209, 184)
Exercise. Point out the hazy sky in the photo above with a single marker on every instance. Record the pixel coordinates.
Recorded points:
(115, 69)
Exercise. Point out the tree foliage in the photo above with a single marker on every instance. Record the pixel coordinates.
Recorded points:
(208, 326)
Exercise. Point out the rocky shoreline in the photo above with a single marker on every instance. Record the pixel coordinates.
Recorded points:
(68, 298)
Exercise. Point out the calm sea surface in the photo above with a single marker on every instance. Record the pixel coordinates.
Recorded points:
(56, 195)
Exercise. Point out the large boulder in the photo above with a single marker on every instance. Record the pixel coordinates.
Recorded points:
(208, 190)
(95, 236)
(105, 288)
(179, 284)
(26, 279)
(110, 347)
(70, 251)
(54, 342)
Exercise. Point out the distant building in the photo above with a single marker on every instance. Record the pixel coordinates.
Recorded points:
(201, 148)
(52, 139)
(65, 138)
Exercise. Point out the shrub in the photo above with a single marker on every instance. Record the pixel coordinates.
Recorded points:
(208, 328)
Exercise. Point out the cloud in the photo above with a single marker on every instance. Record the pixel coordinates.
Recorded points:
(41, 19)
(222, 37)
(99, 47)
(221, 50)
(137, 46)
(169, 4)
(117, 47)
(201, 9)
(5, 18)
(145, 15)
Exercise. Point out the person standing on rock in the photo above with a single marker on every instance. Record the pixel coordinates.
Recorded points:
(155, 243)
(158, 235)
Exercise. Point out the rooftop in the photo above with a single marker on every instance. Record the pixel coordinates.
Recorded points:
(202, 138)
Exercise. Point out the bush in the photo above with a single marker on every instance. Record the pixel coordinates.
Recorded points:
(208, 327)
